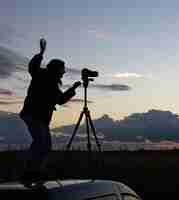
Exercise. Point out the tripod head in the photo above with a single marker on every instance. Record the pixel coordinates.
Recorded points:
(86, 75)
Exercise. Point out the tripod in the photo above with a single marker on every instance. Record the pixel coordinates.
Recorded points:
(85, 112)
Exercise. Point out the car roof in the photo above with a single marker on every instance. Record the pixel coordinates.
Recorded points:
(70, 189)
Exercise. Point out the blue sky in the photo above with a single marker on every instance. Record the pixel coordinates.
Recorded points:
(135, 43)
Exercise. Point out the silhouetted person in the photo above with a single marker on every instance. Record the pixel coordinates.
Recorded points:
(42, 96)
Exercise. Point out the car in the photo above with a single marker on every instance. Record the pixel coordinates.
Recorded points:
(70, 190)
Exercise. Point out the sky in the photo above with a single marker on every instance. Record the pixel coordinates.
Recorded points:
(134, 44)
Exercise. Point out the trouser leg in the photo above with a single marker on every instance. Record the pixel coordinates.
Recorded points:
(40, 147)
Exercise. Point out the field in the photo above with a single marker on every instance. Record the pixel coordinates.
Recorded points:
(152, 174)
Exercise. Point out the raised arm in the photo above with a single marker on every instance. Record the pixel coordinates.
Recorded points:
(35, 62)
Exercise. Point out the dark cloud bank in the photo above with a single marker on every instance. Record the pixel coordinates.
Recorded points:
(155, 125)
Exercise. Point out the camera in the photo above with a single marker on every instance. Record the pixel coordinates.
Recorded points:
(86, 73)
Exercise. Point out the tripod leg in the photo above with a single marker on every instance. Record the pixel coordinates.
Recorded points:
(90, 160)
(88, 133)
(99, 162)
(94, 132)
(75, 130)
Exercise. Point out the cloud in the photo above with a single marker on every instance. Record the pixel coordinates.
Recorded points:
(79, 101)
(112, 87)
(73, 71)
(154, 125)
(9, 33)
(6, 32)
(128, 75)
(13, 72)
(10, 62)
(8, 97)
(6, 92)
(72, 74)
(13, 68)
(99, 34)
(75, 101)
(10, 102)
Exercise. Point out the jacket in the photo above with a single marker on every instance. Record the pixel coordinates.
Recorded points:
(43, 93)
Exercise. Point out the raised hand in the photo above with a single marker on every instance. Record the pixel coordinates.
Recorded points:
(43, 45)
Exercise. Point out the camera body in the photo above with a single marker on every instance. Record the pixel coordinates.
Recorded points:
(86, 74)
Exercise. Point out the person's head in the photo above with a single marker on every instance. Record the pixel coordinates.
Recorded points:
(56, 67)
